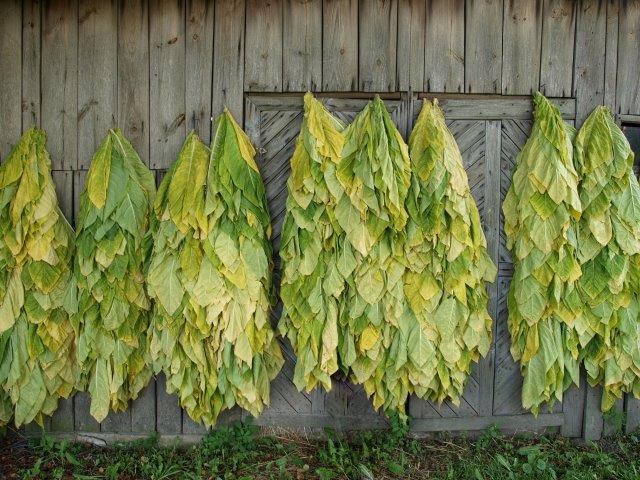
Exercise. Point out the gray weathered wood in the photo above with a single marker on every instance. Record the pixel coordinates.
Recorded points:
(378, 27)
(593, 423)
(411, 35)
(263, 54)
(590, 57)
(302, 45)
(339, 45)
(98, 68)
(558, 33)
(522, 37)
(228, 57)
(10, 75)
(168, 412)
(483, 46)
(611, 52)
(632, 412)
(59, 87)
(199, 66)
(143, 410)
(628, 54)
(444, 46)
(31, 20)
(167, 94)
(133, 74)
(522, 423)
(483, 108)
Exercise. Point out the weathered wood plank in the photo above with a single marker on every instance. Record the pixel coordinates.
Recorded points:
(522, 423)
(263, 55)
(378, 24)
(558, 33)
(59, 87)
(491, 227)
(522, 35)
(302, 45)
(143, 410)
(589, 57)
(31, 21)
(97, 71)
(411, 46)
(133, 74)
(339, 45)
(199, 66)
(611, 52)
(632, 411)
(483, 46)
(168, 412)
(628, 90)
(167, 94)
(228, 57)
(470, 108)
(63, 418)
(444, 46)
(10, 75)
(593, 423)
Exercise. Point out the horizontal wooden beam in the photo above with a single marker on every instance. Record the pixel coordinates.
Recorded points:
(494, 107)
(525, 422)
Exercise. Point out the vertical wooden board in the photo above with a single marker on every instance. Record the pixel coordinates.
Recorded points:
(589, 57)
(611, 51)
(573, 402)
(59, 81)
(63, 418)
(133, 74)
(614, 419)
(168, 412)
(97, 75)
(522, 36)
(444, 46)
(199, 65)
(263, 55)
(83, 420)
(483, 46)
(228, 57)
(117, 422)
(10, 75)
(411, 48)
(302, 45)
(593, 423)
(558, 33)
(339, 45)
(167, 93)
(31, 16)
(628, 90)
(143, 410)
(378, 26)
(632, 412)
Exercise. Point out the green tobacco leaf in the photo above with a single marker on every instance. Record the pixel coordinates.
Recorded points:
(312, 279)
(210, 277)
(541, 210)
(36, 246)
(113, 308)
(448, 264)
(374, 177)
(609, 240)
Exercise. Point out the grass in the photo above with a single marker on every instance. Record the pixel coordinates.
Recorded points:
(240, 452)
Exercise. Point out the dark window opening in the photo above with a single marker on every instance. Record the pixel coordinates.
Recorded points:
(632, 132)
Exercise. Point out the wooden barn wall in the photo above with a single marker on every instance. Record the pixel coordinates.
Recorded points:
(160, 68)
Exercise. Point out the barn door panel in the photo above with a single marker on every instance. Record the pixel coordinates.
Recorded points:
(273, 124)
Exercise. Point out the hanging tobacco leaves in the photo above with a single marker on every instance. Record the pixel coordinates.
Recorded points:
(375, 175)
(448, 265)
(211, 278)
(541, 211)
(312, 282)
(113, 308)
(36, 245)
(609, 253)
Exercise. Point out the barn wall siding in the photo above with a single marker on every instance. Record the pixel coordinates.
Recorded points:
(160, 68)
